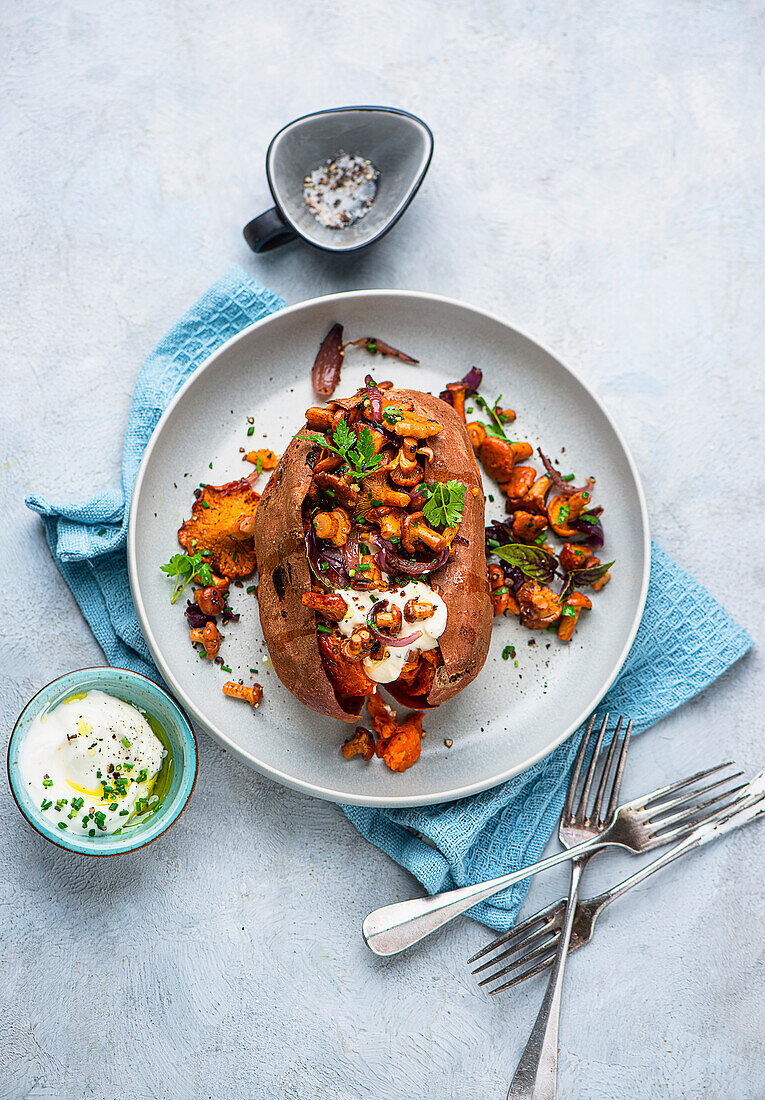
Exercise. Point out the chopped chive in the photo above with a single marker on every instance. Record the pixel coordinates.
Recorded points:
(91, 832)
(252, 589)
(142, 776)
(124, 813)
(539, 539)
(568, 477)
(113, 805)
(251, 430)
(364, 567)
(101, 531)
(507, 652)
(98, 774)
(71, 814)
(46, 804)
(205, 503)
(124, 741)
(500, 591)
(225, 668)
(63, 825)
(77, 803)
(210, 466)
(323, 628)
(47, 781)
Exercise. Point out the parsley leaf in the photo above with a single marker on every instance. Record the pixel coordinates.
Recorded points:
(358, 453)
(185, 568)
(445, 503)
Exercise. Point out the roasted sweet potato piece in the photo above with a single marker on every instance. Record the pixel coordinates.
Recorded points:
(220, 521)
(346, 673)
(403, 749)
(382, 716)
(267, 458)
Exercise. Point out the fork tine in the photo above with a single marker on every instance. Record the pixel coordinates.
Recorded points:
(689, 796)
(541, 951)
(568, 807)
(689, 813)
(683, 830)
(519, 930)
(684, 782)
(524, 947)
(581, 811)
(595, 816)
(542, 965)
(617, 786)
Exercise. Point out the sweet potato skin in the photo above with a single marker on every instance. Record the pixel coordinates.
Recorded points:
(289, 628)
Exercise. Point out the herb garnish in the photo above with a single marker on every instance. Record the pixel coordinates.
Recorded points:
(359, 452)
(495, 427)
(445, 503)
(532, 561)
(185, 568)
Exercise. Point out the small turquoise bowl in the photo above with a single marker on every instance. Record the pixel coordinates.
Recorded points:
(133, 688)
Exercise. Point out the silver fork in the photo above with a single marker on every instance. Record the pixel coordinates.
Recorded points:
(535, 941)
(648, 822)
(536, 1075)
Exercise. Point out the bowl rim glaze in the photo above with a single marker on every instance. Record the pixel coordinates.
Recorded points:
(60, 842)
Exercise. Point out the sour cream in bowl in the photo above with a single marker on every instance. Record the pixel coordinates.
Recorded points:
(102, 761)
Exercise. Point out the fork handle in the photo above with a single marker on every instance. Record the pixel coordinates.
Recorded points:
(396, 927)
(537, 1073)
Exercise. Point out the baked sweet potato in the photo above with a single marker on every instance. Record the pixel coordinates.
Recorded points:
(290, 627)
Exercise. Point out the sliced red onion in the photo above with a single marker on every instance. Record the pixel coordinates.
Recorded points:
(396, 564)
(375, 400)
(595, 536)
(472, 380)
(394, 643)
(334, 575)
(563, 486)
(350, 553)
(417, 498)
(196, 617)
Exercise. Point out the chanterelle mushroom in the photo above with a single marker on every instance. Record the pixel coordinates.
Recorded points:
(220, 528)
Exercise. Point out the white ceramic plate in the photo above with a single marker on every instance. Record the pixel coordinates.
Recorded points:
(511, 715)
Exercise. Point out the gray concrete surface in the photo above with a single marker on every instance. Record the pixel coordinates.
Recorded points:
(598, 181)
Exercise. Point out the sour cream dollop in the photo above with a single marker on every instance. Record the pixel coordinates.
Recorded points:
(90, 763)
(389, 667)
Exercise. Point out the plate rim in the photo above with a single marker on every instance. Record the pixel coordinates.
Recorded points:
(305, 786)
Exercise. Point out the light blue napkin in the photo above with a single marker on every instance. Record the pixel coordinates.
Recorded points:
(685, 641)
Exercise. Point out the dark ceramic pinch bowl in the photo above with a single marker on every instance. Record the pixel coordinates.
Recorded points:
(397, 143)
